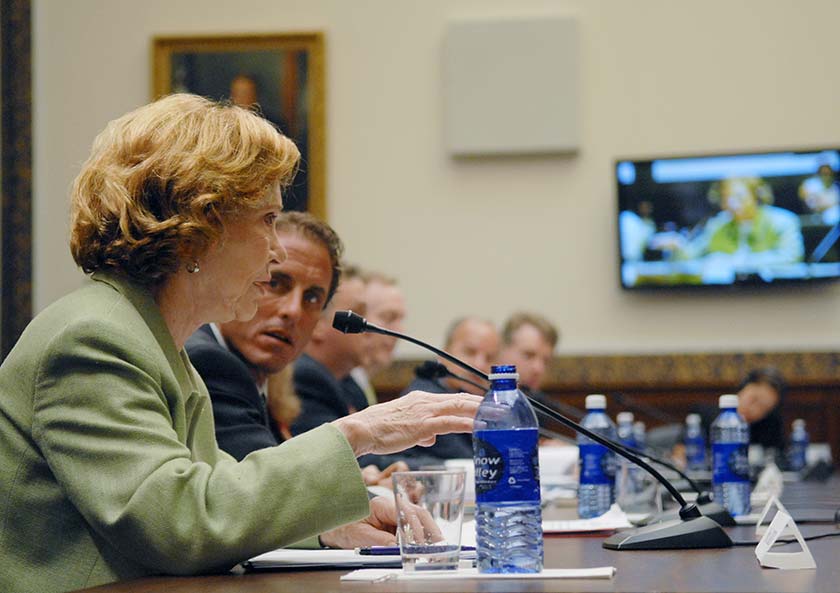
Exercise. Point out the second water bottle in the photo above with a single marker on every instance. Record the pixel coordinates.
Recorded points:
(730, 462)
(596, 490)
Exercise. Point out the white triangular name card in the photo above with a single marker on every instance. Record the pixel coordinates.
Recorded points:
(773, 502)
(784, 560)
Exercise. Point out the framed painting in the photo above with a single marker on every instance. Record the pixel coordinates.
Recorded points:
(281, 76)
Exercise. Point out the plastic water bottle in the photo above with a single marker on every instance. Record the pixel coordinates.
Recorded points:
(799, 441)
(628, 478)
(695, 443)
(624, 428)
(596, 491)
(508, 516)
(640, 435)
(730, 463)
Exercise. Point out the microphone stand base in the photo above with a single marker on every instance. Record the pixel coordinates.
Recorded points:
(676, 534)
(717, 513)
(714, 511)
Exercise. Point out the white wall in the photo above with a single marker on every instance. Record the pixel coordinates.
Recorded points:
(487, 235)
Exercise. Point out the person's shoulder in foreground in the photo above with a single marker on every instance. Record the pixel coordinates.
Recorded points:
(117, 414)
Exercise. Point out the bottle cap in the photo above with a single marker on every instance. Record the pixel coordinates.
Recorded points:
(624, 417)
(728, 401)
(799, 423)
(596, 401)
(503, 371)
(692, 419)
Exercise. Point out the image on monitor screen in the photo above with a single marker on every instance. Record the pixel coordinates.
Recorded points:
(729, 219)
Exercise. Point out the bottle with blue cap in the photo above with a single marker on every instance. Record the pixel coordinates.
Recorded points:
(624, 422)
(799, 442)
(628, 480)
(695, 443)
(730, 460)
(508, 516)
(640, 435)
(596, 488)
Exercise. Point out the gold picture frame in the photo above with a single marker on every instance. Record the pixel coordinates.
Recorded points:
(286, 74)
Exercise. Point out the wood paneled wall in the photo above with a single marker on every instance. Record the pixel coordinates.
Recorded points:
(672, 383)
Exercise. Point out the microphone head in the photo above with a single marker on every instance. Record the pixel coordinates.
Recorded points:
(431, 369)
(349, 323)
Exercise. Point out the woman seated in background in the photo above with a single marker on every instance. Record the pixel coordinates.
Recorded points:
(760, 396)
(109, 467)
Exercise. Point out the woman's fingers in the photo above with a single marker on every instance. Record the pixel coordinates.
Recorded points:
(397, 466)
(415, 418)
(417, 525)
(371, 474)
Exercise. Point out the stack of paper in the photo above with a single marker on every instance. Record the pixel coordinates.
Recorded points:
(613, 519)
(379, 575)
(291, 559)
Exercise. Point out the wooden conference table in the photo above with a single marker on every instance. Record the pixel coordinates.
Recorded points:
(691, 571)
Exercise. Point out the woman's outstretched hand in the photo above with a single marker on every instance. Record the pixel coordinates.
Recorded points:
(413, 419)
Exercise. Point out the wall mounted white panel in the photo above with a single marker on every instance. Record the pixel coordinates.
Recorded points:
(511, 86)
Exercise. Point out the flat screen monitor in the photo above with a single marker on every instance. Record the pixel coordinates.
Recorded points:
(729, 219)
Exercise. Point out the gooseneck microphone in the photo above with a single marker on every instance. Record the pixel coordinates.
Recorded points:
(348, 322)
(690, 531)
(434, 370)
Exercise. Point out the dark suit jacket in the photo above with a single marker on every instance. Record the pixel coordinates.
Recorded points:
(354, 394)
(242, 421)
(321, 395)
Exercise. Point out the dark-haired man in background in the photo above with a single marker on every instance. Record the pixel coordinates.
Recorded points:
(528, 341)
(328, 359)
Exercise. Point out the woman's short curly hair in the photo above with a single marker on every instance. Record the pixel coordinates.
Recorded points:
(162, 180)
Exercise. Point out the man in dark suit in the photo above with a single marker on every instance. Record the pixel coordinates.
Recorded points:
(328, 359)
(236, 359)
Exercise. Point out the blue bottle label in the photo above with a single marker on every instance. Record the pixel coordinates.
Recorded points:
(730, 463)
(695, 450)
(506, 465)
(597, 464)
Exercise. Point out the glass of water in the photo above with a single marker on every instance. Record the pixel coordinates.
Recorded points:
(430, 510)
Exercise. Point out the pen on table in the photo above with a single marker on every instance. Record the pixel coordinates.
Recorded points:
(393, 550)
